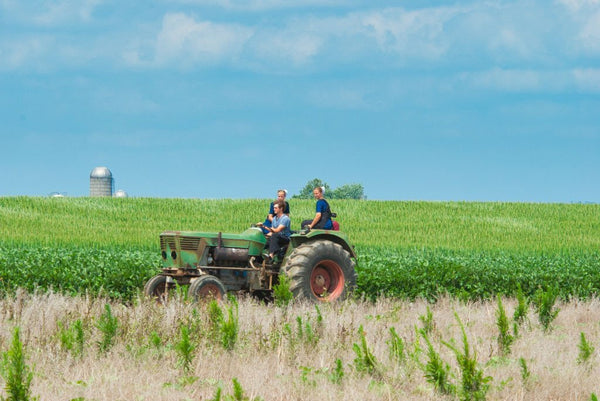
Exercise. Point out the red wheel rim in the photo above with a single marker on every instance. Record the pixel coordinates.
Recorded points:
(209, 291)
(327, 280)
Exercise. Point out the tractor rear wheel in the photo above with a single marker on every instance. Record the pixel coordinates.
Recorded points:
(207, 287)
(321, 271)
(158, 288)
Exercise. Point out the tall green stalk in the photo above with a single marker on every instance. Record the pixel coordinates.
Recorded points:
(15, 371)
(505, 339)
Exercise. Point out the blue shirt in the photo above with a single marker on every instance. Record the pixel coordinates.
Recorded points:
(286, 211)
(285, 221)
(322, 208)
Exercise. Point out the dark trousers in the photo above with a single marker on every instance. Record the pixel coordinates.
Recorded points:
(320, 224)
(276, 242)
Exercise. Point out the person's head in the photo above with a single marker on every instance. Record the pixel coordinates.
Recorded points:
(318, 192)
(278, 206)
(281, 194)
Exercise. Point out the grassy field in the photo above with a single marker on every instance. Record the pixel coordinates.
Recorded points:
(406, 249)
(77, 351)
(67, 265)
(462, 226)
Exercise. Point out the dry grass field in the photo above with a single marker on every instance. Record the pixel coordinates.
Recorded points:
(298, 352)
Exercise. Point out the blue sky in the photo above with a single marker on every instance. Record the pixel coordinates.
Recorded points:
(415, 100)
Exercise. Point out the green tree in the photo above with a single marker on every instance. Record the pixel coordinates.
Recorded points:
(348, 191)
(307, 191)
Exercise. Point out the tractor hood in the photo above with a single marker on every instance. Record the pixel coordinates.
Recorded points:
(185, 248)
(251, 239)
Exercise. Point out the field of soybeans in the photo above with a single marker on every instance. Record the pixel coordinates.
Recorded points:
(455, 301)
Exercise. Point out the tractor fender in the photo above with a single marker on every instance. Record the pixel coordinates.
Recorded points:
(334, 236)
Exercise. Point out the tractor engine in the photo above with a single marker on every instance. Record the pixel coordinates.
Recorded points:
(222, 256)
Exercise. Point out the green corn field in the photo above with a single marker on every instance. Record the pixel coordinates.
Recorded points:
(472, 250)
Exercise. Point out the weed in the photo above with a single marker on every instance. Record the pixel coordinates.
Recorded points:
(72, 338)
(15, 371)
(544, 303)
(337, 374)
(365, 361)
(525, 373)
(230, 327)
(427, 320)
(215, 316)
(155, 341)
(185, 350)
(437, 372)
(305, 332)
(474, 385)
(505, 339)
(586, 350)
(520, 313)
(238, 394)
(281, 291)
(108, 326)
(396, 346)
(319, 316)
(218, 394)
(299, 332)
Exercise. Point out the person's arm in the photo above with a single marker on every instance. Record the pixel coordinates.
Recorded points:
(279, 228)
(315, 220)
(283, 222)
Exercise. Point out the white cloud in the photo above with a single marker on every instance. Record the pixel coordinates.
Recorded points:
(414, 33)
(291, 46)
(263, 5)
(58, 12)
(588, 79)
(13, 55)
(510, 40)
(184, 40)
(584, 15)
(478, 36)
(590, 33)
(515, 80)
(339, 98)
(576, 5)
(49, 12)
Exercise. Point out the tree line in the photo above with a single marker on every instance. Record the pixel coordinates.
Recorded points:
(348, 191)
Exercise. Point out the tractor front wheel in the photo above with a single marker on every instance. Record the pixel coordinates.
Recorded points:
(321, 271)
(207, 287)
(158, 287)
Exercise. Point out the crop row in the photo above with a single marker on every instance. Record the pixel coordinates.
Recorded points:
(411, 274)
(114, 272)
(406, 274)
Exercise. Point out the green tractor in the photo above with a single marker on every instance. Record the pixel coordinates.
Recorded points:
(319, 264)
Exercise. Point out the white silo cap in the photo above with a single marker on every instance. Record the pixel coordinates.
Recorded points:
(100, 172)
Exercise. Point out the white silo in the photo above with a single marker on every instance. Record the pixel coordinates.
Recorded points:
(101, 182)
(120, 194)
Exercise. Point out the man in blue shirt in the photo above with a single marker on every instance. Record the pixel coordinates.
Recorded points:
(279, 233)
(281, 194)
(322, 218)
